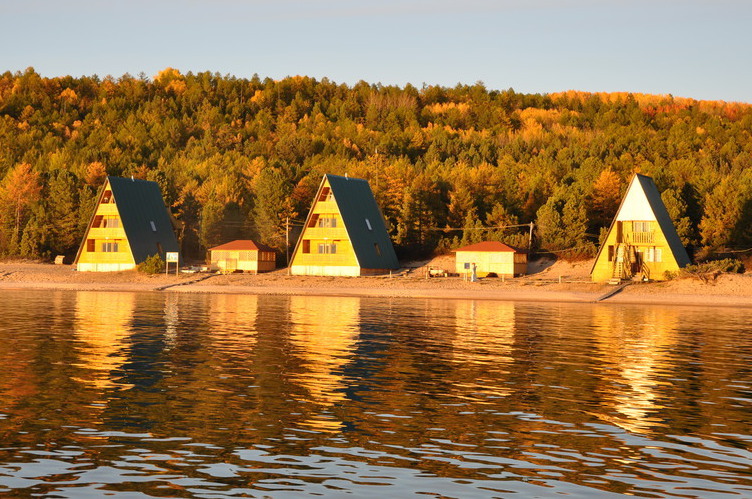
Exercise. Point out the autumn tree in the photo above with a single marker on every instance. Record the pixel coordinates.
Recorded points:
(19, 191)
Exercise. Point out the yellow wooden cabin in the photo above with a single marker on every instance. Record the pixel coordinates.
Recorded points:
(344, 233)
(491, 257)
(130, 223)
(642, 243)
(245, 255)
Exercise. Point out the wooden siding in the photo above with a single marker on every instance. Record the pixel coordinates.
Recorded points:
(245, 260)
(624, 234)
(499, 263)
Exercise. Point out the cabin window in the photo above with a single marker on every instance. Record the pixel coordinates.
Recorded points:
(327, 222)
(327, 248)
(97, 221)
(306, 246)
(641, 227)
(111, 222)
(658, 254)
(107, 197)
(378, 250)
(314, 220)
(91, 245)
(111, 246)
(326, 194)
(368, 224)
(153, 227)
(611, 253)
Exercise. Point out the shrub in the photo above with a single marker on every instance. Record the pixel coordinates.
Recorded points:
(152, 265)
(710, 270)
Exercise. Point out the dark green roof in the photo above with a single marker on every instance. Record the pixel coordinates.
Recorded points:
(144, 217)
(663, 219)
(358, 209)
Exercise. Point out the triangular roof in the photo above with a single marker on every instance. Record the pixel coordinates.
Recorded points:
(643, 202)
(359, 210)
(490, 246)
(143, 215)
(242, 245)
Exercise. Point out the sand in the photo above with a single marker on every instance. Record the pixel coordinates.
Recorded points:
(548, 281)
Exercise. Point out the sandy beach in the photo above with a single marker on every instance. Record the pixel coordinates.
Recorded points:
(549, 281)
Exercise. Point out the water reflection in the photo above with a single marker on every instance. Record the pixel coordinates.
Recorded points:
(636, 345)
(226, 395)
(103, 327)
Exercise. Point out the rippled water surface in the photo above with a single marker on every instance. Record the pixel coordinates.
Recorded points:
(168, 395)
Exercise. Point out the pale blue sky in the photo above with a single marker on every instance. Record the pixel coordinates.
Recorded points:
(690, 48)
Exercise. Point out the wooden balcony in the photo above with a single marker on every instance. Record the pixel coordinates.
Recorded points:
(643, 237)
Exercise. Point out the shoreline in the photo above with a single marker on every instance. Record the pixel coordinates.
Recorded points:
(732, 291)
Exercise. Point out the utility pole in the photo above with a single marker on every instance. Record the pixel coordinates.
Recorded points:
(530, 239)
(287, 241)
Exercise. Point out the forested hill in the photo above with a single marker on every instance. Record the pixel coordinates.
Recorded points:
(238, 157)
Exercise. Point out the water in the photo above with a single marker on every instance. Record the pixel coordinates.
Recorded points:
(132, 395)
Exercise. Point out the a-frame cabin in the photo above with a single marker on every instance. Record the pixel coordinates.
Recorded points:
(642, 242)
(130, 223)
(344, 233)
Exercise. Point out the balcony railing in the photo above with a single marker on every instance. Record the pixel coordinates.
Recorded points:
(643, 237)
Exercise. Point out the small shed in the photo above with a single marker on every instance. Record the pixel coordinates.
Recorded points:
(491, 257)
(245, 255)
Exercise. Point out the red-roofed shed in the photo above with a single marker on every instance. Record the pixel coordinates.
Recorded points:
(245, 255)
(491, 257)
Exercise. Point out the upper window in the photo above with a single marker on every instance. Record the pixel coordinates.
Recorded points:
(153, 227)
(326, 194)
(642, 226)
(327, 221)
(368, 224)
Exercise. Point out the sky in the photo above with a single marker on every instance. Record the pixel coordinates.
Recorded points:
(688, 48)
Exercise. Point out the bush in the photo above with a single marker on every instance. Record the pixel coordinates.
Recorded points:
(152, 265)
(710, 270)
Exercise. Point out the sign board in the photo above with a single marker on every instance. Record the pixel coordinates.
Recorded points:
(172, 256)
(467, 265)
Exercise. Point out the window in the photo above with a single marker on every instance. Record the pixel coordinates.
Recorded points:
(97, 221)
(326, 194)
(378, 250)
(107, 197)
(327, 248)
(611, 253)
(641, 227)
(368, 224)
(328, 222)
(111, 246)
(314, 220)
(91, 245)
(111, 222)
(658, 254)
(153, 227)
(306, 246)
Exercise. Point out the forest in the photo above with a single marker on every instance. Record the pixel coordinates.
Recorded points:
(240, 158)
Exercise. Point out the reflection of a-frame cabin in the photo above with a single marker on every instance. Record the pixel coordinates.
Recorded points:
(345, 233)
(130, 223)
(642, 242)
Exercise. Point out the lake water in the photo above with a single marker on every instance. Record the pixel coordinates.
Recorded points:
(131, 395)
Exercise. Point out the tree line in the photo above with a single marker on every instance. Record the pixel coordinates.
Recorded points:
(239, 158)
